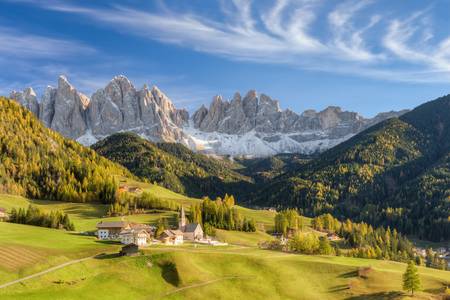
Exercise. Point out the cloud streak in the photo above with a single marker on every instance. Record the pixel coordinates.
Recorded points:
(17, 44)
(355, 40)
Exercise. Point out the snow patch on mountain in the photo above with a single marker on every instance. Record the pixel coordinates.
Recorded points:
(252, 143)
(87, 139)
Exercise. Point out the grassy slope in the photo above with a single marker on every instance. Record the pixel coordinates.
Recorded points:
(223, 273)
(260, 274)
(85, 217)
(26, 250)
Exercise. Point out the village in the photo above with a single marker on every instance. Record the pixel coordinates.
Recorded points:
(135, 236)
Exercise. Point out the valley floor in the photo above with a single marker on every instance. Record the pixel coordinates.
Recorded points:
(238, 271)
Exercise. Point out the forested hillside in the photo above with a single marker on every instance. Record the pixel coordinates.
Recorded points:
(172, 166)
(39, 163)
(265, 169)
(396, 173)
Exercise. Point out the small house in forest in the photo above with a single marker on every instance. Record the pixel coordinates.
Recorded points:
(333, 237)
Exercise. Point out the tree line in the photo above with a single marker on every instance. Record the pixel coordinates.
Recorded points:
(34, 216)
(288, 221)
(221, 214)
(365, 241)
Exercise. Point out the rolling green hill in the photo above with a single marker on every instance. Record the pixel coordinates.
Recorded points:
(172, 166)
(39, 163)
(396, 173)
(183, 272)
(188, 272)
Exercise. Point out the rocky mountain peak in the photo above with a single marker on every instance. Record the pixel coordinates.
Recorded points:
(259, 127)
(117, 107)
(236, 97)
(28, 99)
(251, 125)
(63, 82)
(251, 95)
(29, 92)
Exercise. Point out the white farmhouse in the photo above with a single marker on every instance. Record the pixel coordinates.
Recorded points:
(171, 237)
(138, 237)
(111, 230)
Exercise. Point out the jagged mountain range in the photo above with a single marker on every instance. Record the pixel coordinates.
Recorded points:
(253, 125)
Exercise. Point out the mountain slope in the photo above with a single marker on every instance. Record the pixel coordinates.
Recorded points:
(395, 173)
(39, 163)
(172, 165)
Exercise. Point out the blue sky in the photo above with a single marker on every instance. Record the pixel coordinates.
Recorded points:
(365, 56)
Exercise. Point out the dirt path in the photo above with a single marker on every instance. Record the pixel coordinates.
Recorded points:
(4, 285)
(201, 284)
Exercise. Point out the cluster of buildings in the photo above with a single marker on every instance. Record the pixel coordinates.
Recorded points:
(142, 235)
(442, 253)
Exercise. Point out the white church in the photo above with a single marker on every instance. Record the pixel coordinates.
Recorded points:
(191, 231)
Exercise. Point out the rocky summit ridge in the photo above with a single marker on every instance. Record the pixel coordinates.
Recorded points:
(253, 125)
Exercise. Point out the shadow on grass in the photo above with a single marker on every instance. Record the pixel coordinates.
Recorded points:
(170, 272)
(86, 233)
(378, 296)
(338, 288)
(350, 274)
(107, 256)
(437, 290)
(108, 242)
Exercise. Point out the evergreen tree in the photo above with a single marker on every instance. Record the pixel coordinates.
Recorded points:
(162, 225)
(325, 247)
(411, 280)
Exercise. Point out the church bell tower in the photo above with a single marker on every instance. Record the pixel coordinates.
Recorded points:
(182, 222)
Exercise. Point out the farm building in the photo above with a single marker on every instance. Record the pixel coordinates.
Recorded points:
(129, 250)
(171, 237)
(333, 237)
(111, 230)
(126, 188)
(134, 236)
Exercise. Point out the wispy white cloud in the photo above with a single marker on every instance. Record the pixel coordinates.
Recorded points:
(291, 24)
(14, 43)
(408, 39)
(348, 40)
(353, 39)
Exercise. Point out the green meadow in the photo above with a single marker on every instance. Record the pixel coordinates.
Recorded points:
(224, 273)
(237, 271)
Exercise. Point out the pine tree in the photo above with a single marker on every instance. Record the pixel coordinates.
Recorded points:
(411, 280)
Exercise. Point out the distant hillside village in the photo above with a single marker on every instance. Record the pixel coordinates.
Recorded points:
(143, 235)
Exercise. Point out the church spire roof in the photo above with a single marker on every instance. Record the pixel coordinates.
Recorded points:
(182, 222)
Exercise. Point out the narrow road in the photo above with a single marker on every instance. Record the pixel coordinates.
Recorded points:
(4, 285)
(201, 284)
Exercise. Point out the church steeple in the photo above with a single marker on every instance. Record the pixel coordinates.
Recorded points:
(182, 222)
